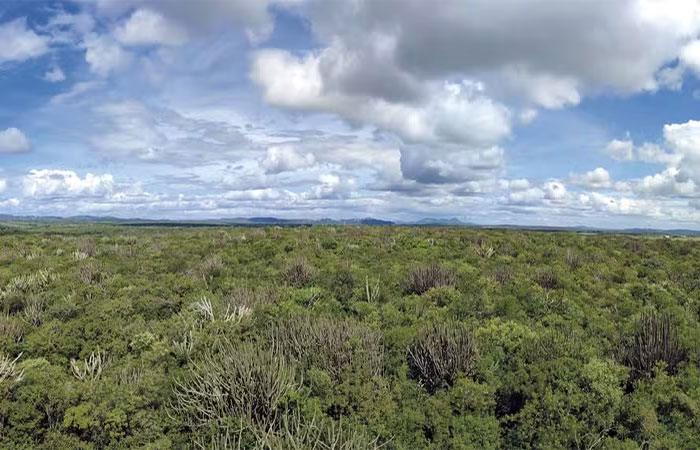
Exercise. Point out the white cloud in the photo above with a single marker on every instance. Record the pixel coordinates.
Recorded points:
(595, 179)
(518, 185)
(666, 183)
(13, 140)
(285, 159)
(332, 185)
(148, 27)
(104, 55)
(555, 191)
(528, 196)
(54, 75)
(652, 153)
(449, 134)
(620, 150)
(456, 112)
(3, 185)
(690, 56)
(9, 203)
(548, 53)
(59, 183)
(19, 43)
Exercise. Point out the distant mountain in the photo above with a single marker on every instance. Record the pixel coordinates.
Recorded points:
(446, 221)
(267, 221)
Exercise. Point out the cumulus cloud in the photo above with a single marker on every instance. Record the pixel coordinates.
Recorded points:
(449, 132)
(456, 112)
(3, 185)
(60, 183)
(690, 56)
(548, 53)
(12, 140)
(332, 185)
(595, 179)
(519, 184)
(450, 163)
(555, 191)
(148, 27)
(625, 150)
(652, 153)
(19, 43)
(443, 88)
(684, 141)
(680, 154)
(528, 196)
(285, 159)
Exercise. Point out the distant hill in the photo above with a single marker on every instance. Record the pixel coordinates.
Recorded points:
(370, 221)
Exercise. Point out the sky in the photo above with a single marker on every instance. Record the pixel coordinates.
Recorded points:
(523, 112)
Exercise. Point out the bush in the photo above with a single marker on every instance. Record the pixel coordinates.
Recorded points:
(420, 279)
(439, 353)
(656, 340)
(298, 272)
(235, 380)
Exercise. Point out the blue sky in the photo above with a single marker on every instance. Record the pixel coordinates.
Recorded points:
(521, 112)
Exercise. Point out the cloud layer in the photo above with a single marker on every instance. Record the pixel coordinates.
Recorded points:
(318, 108)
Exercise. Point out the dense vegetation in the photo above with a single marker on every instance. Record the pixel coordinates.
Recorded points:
(346, 338)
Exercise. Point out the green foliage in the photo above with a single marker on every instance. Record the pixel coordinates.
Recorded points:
(320, 337)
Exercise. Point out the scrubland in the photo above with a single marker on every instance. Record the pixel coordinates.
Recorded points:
(117, 337)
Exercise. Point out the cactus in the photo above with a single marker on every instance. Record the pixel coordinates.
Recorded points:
(439, 353)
